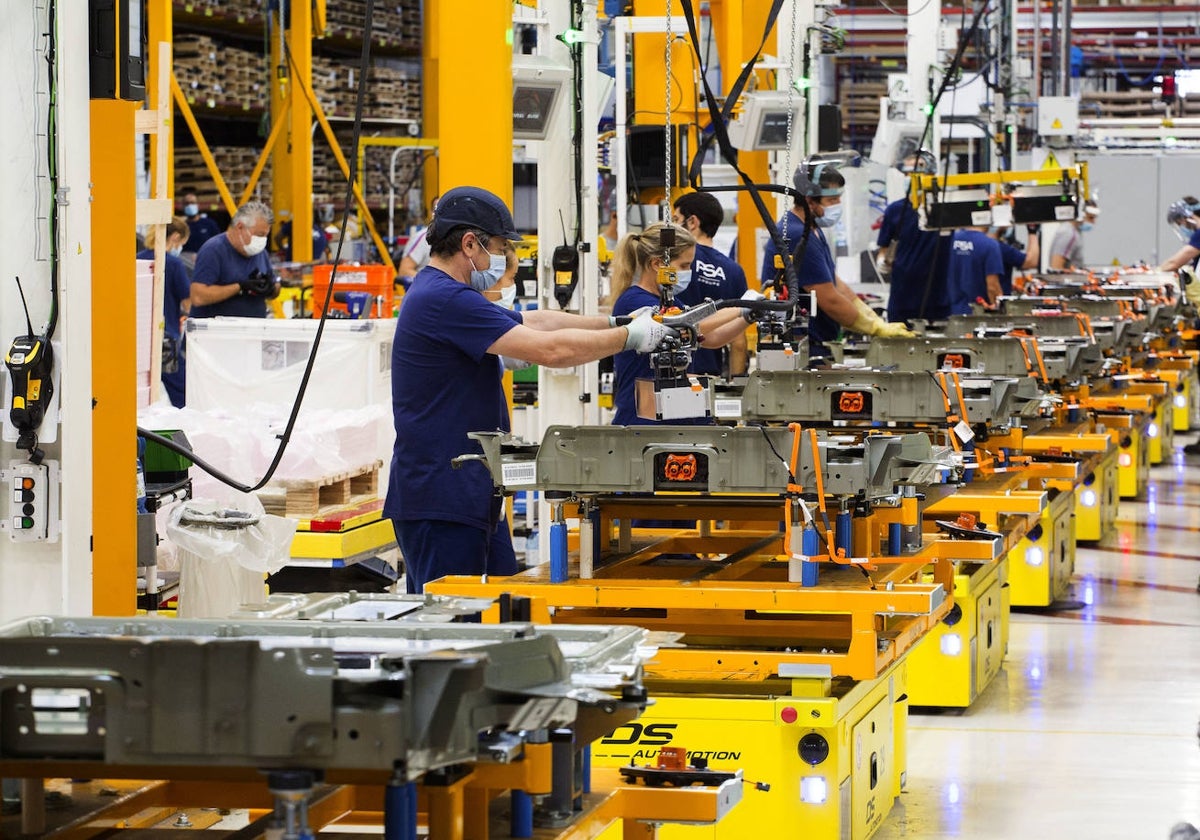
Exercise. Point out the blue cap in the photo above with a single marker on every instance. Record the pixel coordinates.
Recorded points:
(472, 207)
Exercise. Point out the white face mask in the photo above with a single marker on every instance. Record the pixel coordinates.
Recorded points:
(176, 251)
(832, 216)
(683, 279)
(257, 245)
(508, 297)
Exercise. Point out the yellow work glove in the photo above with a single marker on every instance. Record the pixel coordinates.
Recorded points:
(895, 329)
(866, 321)
(1191, 284)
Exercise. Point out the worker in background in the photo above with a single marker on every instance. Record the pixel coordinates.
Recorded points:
(916, 259)
(1013, 257)
(233, 274)
(176, 291)
(415, 255)
(635, 289)
(1182, 217)
(816, 209)
(1066, 248)
(201, 226)
(446, 382)
(974, 269)
(714, 277)
(283, 241)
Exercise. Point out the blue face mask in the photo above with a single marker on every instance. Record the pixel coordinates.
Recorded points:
(190, 210)
(683, 279)
(490, 276)
(832, 216)
(1086, 226)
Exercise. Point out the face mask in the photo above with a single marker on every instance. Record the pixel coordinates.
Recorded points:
(683, 279)
(832, 216)
(256, 246)
(176, 251)
(508, 296)
(191, 209)
(1086, 226)
(490, 276)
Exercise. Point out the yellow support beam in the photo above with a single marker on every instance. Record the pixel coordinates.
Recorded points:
(292, 107)
(265, 155)
(469, 106)
(114, 329)
(202, 145)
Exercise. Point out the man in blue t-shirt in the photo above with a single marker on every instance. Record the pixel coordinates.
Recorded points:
(446, 383)
(974, 269)
(201, 227)
(1013, 257)
(714, 276)
(233, 274)
(1183, 216)
(917, 259)
(820, 186)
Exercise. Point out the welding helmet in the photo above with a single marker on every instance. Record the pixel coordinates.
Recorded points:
(921, 162)
(808, 177)
(1181, 216)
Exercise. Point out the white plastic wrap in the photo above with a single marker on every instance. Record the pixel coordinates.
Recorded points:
(224, 551)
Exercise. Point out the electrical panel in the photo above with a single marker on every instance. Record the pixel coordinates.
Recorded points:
(32, 491)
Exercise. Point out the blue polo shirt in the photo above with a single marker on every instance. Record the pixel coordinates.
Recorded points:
(444, 385)
(973, 256)
(816, 267)
(1195, 243)
(1012, 257)
(918, 261)
(200, 229)
(220, 264)
(176, 289)
(714, 276)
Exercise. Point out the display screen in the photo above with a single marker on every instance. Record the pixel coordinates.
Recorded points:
(531, 110)
(772, 130)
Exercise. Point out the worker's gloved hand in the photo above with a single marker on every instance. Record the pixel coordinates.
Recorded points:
(259, 284)
(513, 363)
(1191, 284)
(645, 333)
(866, 321)
(894, 329)
(1033, 230)
(622, 320)
(750, 294)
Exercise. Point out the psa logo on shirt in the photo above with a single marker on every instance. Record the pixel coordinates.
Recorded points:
(964, 246)
(709, 274)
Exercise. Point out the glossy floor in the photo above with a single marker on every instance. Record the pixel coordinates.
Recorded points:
(1090, 731)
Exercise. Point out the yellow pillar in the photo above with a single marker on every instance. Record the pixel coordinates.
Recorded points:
(292, 162)
(738, 26)
(114, 360)
(160, 21)
(468, 92)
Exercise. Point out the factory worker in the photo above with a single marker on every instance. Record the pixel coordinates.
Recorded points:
(916, 259)
(973, 272)
(1182, 217)
(817, 208)
(233, 274)
(714, 277)
(1012, 257)
(635, 288)
(1066, 248)
(446, 382)
(176, 290)
(201, 226)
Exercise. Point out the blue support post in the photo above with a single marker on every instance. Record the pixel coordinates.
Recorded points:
(810, 545)
(558, 552)
(400, 811)
(522, 814)
(895, 538)
(842, 534)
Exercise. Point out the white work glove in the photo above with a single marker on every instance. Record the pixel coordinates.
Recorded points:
(750, 294)
(615, 320)
(645, 333)
(512, 363)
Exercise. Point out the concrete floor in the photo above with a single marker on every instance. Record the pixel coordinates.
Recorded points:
(1090, 730)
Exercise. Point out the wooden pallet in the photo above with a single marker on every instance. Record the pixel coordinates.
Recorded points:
(304, 498)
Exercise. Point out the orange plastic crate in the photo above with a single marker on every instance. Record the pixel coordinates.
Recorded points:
(378, 280)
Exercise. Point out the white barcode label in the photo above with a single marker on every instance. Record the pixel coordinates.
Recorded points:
(1065, 214)
(965, 433)
(519, 472)
(350, 277)
(727, 407)
(981, 217)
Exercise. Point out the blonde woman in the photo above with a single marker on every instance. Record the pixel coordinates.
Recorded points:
(176, 291)
(634, 287)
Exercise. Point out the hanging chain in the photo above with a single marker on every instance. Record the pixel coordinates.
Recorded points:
(667, 127)
(791, 86)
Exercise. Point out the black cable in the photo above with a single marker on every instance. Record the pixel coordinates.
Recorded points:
(577, 138)
(786, 465)
(52, 160)
(286, 437)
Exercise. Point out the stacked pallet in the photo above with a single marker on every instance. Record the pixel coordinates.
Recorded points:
(235, 163)
(859, 101)
(220, 77)
(1133, 103)
(329, 184)
(237, 11)
(395, 24)
(392, 93)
